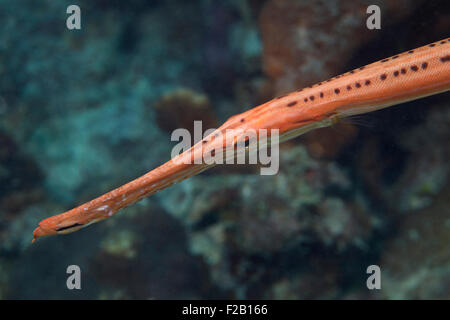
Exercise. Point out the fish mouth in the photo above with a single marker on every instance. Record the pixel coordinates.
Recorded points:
(42, 232)
(38, 232)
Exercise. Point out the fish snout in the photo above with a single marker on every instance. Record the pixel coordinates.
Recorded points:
(41, 232)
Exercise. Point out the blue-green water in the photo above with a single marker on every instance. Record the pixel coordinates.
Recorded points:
(85, 111)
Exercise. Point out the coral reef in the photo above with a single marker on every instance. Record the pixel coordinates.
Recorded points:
(82, 112)
(240, 225)
(142, 262)
(181, 107)
(427, 172)
(308, 41)
(417, 260)
(19, 178)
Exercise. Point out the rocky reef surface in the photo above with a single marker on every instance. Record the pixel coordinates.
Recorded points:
(82, 112)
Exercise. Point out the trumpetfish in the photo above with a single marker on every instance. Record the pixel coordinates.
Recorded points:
(403, 77)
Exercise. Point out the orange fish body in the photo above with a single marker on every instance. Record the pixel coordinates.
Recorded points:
(411, 75)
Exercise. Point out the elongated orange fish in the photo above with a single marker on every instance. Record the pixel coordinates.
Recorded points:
(407, 76)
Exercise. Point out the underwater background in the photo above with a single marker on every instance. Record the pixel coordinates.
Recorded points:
(85, 111)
